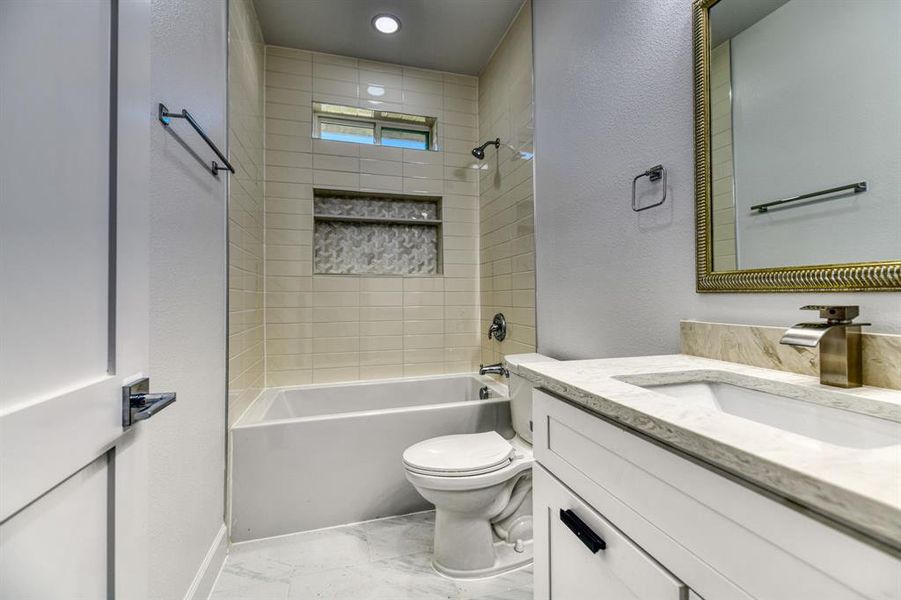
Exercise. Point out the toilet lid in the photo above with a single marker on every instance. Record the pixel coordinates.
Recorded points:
(466, 454)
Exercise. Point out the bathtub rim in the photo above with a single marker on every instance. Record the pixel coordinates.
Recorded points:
(253, 415)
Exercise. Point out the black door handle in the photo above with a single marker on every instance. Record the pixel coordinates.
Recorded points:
(592, 541)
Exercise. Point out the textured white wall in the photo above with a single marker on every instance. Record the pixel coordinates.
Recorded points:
(797, 131)
(613, 96)
(187, 293)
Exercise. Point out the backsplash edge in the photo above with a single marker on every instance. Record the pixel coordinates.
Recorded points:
(758, 345)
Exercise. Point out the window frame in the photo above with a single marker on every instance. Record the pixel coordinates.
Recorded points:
(376, 132)
(322, 117)
(396, 127)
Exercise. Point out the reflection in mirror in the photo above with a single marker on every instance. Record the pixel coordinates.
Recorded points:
(805, 97)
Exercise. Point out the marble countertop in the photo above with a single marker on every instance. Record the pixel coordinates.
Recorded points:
(859, 487)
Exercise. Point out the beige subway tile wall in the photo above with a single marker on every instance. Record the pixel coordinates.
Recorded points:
(724, 238)
(323, 328)
(507, 241)
(245, 208)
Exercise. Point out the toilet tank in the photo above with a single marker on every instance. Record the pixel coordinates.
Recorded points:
(521, 393)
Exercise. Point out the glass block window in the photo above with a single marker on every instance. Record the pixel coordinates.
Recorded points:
(376, 234)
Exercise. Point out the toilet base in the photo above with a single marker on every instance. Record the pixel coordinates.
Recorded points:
(507, 559)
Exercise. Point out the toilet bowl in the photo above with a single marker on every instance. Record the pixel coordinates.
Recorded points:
(481, 486)
(490, 481)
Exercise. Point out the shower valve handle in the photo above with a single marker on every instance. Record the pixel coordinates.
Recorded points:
(498, 328)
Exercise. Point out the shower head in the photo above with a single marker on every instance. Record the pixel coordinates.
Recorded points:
(480, 151)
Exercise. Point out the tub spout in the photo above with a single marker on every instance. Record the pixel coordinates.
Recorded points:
(498, 369)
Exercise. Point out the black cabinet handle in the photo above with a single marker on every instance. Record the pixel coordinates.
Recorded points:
(592, 541)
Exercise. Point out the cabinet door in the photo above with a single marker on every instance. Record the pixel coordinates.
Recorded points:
(580, 555)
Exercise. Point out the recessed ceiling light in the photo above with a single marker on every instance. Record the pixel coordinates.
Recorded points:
(386, 23)
(375, 90)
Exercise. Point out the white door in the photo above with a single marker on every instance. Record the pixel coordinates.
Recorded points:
(74, 119)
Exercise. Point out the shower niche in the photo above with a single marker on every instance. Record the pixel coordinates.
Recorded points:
(363, 233)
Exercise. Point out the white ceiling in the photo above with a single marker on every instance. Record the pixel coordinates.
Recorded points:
(729, 18)
(447, 35)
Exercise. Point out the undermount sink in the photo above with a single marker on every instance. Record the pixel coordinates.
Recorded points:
(817, 421)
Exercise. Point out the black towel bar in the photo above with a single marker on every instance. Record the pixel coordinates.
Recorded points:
(857, 187)
(165, 117)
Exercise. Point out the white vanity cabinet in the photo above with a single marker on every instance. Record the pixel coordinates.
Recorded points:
(674, 528)
(587, 557)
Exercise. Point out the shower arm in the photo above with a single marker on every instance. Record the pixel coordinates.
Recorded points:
(495, 142)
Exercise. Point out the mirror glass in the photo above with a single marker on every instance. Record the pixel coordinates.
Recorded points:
(805, 112)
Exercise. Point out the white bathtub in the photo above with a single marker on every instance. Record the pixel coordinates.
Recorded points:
(321, 455)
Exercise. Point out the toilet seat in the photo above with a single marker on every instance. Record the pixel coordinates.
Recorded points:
(463, 455)
(520, 459)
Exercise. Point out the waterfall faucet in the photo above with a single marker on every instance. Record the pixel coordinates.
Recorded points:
(841, 362)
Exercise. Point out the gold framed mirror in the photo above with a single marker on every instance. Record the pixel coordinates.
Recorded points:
(795, 196)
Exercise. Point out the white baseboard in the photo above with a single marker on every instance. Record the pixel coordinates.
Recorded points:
(209, 569)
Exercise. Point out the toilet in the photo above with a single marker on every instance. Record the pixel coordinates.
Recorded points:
(481, 486)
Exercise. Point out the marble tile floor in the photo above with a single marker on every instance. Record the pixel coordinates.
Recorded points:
(387, 559)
